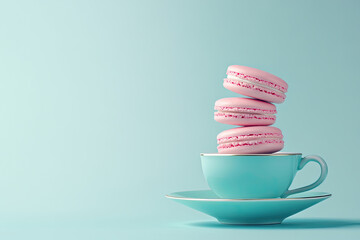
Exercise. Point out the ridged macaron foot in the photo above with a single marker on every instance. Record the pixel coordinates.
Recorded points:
(255, 83)
(244, 112)
(250, 140)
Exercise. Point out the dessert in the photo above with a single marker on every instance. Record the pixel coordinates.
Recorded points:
(250, 140)
(244, 112)
(255, 83)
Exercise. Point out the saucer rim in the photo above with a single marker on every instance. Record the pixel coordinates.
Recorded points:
(324, 195)
(249, 154)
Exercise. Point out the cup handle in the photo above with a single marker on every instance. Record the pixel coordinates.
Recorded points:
(303, 162)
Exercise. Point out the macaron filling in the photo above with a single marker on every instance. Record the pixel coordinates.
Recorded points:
(244, 116)
(245, 110)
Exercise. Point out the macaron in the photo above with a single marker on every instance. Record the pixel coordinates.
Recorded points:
(250, 140)
(244, 112)
(255, 83)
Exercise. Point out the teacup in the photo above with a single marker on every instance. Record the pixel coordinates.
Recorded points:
(252, 176)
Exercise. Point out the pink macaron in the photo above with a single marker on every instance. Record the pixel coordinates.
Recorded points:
(244, 112)
(250, 140)
(255, 83)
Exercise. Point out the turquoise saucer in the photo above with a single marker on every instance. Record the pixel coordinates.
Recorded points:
(248, 211)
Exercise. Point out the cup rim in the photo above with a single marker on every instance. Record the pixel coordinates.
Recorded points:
(258, 154)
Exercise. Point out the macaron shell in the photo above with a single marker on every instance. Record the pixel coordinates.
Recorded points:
(251, 90)
(247, 131)
(258, 75)
(253, 149)
(246, 104)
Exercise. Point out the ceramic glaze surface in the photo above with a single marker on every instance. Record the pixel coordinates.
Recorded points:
(252, 176)
(257, 211)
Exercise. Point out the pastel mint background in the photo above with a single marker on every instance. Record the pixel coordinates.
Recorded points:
(105, 107)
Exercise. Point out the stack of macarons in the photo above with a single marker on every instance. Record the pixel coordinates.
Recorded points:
(254, 114)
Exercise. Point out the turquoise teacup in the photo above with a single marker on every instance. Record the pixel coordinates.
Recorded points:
(249, 176)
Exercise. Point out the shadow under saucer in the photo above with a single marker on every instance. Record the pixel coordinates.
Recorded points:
(300, 223)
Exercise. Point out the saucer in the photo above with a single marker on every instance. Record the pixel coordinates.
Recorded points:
(248, 211)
